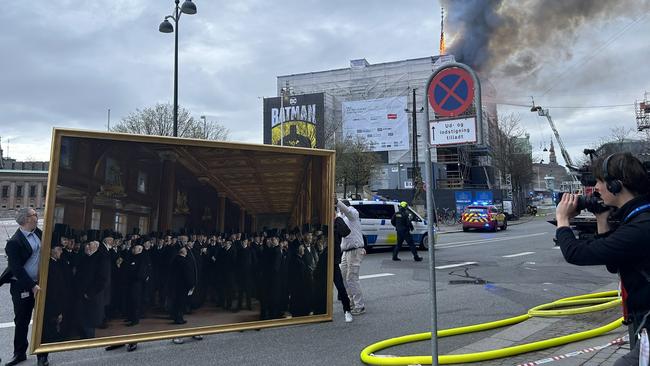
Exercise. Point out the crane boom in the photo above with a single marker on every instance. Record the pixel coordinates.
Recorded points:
(565, 154)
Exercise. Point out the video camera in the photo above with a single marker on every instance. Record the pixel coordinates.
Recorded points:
(592, 203)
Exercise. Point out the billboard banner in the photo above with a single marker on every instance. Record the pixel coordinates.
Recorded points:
(382, 122)
(302, 121)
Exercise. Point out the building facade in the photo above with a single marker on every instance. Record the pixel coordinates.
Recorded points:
(22, 184)
(22, 188)
(453, 168)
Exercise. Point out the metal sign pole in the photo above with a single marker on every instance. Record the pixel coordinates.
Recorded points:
(432, 238)
(430, 199)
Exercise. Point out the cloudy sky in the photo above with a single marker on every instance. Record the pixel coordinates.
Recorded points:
(65, 63)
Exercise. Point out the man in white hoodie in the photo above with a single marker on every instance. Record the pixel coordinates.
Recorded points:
(353, 253)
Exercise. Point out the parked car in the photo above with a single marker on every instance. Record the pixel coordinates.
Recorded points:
(484, 218)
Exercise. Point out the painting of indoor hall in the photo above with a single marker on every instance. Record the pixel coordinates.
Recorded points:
(151, 235)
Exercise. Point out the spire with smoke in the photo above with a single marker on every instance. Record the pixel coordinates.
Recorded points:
(515, 37)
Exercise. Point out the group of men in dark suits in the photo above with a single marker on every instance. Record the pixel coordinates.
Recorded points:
(135, 276)
(97, 276)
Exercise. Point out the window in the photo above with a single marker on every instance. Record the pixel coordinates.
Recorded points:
(19, 191)
(96, 219)
(44, 191)
(5, 191)
(120, 223)
(59, 212)
(113, 175)
(375, 211)
(32, 191)
(142, 182)
(65, 159)
(144, 225)
(414, 215)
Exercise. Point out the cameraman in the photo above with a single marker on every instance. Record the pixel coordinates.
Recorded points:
(622, 182)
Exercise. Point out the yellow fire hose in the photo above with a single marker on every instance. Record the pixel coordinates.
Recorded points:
(566, 306)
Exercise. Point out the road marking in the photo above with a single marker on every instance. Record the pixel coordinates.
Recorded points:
(474, 242)
(518, 254)
(456, 265)
(376, 275)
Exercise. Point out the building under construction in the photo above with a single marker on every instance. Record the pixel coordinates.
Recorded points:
(455, 168)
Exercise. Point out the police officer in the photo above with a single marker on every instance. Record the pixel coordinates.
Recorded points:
(402, 222)
(622, 182)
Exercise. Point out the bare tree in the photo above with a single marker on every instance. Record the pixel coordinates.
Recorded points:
(159, 120)
(355, 163)
(512, 154)
(620, 133)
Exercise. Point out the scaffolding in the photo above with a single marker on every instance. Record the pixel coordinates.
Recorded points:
(642, 109)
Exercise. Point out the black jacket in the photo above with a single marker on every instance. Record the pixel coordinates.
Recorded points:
(402, 220)
(57, 290)
(18, 252)
(341, 230)
(625, 250)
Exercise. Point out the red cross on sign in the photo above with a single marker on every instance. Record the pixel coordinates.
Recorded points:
(451, 92)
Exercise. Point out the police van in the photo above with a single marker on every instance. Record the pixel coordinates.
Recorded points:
(376, 227)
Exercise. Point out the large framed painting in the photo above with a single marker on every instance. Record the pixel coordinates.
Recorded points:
(159, 237)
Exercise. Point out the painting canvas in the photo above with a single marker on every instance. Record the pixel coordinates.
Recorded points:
(158, 237)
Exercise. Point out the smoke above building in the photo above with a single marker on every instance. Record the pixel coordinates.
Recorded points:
(513, 38)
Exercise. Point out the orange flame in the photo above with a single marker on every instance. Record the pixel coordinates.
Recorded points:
(442, 32)
(442, 44)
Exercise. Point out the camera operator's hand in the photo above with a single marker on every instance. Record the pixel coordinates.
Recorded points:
(602, 223)
(566, 209)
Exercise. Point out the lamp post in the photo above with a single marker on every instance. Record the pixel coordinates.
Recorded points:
(189, 8)
(399, 175)
(205, 127)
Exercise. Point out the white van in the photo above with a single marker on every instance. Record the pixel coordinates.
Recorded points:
(376, 227)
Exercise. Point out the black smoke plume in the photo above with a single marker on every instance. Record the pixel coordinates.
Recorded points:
(514, 37)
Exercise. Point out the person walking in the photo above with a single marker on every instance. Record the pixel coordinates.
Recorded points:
(341, 230)
(402, 222)
(353, 253)
(23, 252)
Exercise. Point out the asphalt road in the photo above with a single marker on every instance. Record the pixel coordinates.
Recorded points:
(514, 270)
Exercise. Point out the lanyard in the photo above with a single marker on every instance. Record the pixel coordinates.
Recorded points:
(636, 211)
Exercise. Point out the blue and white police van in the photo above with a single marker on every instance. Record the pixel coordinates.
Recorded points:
(376, 227)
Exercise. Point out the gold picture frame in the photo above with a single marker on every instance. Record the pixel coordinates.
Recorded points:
(306, 176)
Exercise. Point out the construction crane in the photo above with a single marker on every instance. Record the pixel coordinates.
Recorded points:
(567, 159)
(544, 113)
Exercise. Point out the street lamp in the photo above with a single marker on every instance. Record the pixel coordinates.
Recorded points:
(205, 127)
(285, 92)
(189, 8)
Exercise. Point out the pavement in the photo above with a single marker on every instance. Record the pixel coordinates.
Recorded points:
(602, 350)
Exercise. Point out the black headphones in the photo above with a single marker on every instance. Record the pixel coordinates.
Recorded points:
(614, 186)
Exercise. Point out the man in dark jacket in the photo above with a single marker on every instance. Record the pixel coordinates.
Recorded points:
(91, 282)
(136, 277)
(622, 183)
(246, 262)
(23, 252)
(56, 302)
(181, 283)
(341, 230)
(402, 222)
